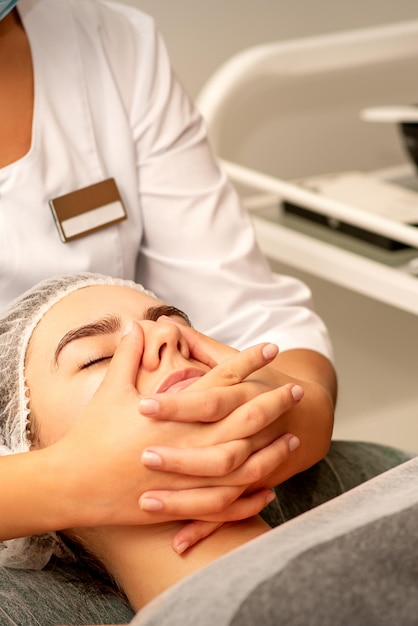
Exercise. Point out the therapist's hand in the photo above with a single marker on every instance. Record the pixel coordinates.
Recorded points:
(311, 420)
(243, 400)
(97, 470)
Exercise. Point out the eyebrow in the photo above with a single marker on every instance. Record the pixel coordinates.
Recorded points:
(112, 324)
(106, 326)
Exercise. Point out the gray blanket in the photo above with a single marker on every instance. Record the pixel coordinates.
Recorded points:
(350, 562)
(64, 594)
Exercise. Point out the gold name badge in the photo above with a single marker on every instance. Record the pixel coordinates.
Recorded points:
(87, 210)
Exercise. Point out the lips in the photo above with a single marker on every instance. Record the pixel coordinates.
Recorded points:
(177, 381)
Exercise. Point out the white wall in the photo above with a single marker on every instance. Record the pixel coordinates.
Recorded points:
(201, 34)
(376, 346)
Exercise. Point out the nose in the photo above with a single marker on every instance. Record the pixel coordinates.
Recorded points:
(162, 339)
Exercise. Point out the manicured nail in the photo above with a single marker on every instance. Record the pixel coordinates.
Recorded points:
(270, 351)
(149, 406)
(167, 318)
(127, 328)
(297, 392)
(293, 443)
(151, 459)
(181, 548)
(270, 497)
(150, 504)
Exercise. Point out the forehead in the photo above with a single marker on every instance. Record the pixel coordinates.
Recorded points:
(90, 304)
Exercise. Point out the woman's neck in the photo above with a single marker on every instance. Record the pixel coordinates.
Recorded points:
(144, 564)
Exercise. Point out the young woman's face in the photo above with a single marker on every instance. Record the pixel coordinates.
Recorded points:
(70, 350)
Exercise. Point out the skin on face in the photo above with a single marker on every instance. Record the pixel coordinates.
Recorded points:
(71, 348)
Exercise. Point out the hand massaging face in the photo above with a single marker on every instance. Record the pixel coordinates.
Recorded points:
(56, 342)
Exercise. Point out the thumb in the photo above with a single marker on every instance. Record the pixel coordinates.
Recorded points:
(123, 368)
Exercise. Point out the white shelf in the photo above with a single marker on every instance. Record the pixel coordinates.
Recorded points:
(339, 258)
(331, 262)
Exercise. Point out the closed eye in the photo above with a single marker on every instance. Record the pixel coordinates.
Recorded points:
(94, 361)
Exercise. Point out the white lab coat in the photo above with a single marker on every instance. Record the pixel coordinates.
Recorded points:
(108, 105)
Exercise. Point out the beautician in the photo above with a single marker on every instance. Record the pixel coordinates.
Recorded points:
(105, 167)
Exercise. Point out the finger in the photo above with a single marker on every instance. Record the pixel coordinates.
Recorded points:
(218, 504)
(247, 506)
(192, 533)
(237, 367)
(228, 506)
(233, 443)
(206, 349)
(243, 508)
(213, 405)
(184, 504)
(191, 406)
(260, 465)
(219, 460)
(246, 414)
(203, 348)
(123, 367)
(257, 414)
(207, 503)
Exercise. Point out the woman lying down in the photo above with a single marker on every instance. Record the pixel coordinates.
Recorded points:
(60, 339)
(349, 561)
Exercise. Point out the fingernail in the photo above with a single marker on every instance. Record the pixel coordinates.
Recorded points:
(151, 459)
(297, 392)
(166, 318)
(127, 328)
(181, 548)
(150, 504)
(293, 443)
(148, 406)
(270, 351)
(270, 497)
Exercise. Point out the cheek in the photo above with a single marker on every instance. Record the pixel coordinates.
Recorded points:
(57, 411)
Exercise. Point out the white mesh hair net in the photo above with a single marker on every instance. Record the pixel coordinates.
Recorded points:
(17, 324)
